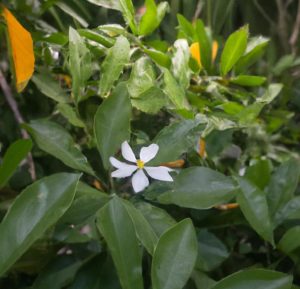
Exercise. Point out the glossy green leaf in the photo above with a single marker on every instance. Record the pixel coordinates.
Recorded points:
(115, 224)
(185, 27)
(98, 273)
(234, 48)
(37, 208)
(254, 206)
(255, 278)
(290, 240)
(174, 91)
(158, 218)
(212, 252)
(259, 173)
(175, 245)
(202, 280)
(79, 64)
(86, 203)
(113, 65)
(152, 17)
(15, 153)
(199, 188)
(70, 114)
(283, 184)
(142, 77)
(112, 123)
(128, 12)
(159, 57)
(150, 101)
(144, 231)
(255, 49)
(204, 44)
(56, 141)
(248, 80)
(289, 211)
(176, 139)
(50, 87)
(97, 37)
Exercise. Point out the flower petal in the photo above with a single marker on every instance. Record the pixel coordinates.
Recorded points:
(127, 152)
(148, 153)
(116, 163)
(159, 173)
(124, 172)
(139, 181)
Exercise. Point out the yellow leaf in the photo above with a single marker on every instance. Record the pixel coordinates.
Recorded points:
(201, 148)
(195, 51)
(21, 45)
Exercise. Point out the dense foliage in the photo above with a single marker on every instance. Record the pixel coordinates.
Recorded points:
(213, 84)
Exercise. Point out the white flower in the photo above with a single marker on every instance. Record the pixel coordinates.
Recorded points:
(139, 180)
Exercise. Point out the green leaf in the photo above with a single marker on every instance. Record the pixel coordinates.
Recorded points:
(70, 11)
(202, 280)
(176, 139)
(177, 244)
(62, 270)
(152, 17)
(290, 240)
(199, 188)
(112, 123)
(212, 252)
(254, 206)
(15, 153)
(186, 27)
(248, 80)
(86, 203)
(148, 21)
(159, 57)
(142, 228)
(113, 64)
(234, 48)
(97, 37)
(174, 91)
(56, 141)
(158, 218)
(142, 77)
(255, 49)
(79, 64)
(128, 12)
(255, 278)
(259, 173)
(150, 101)
(204, 44)
(114, 223)
(289, 211)
(70, 114)
(180, 63)
(111, 4)
(251, 112)
(50, 87)
(36, 209)
(283, 185)
(98, 273)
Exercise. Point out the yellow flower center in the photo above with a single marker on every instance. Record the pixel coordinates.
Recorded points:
(140, 164)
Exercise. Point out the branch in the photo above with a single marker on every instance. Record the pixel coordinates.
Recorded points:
(282, 25)
(295, 33)
(19, 118)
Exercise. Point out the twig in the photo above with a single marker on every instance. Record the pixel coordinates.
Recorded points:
(198, 10)
(295, 33)
(282, 25)
(19, 118)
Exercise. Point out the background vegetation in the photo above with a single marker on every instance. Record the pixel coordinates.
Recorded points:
(228, 126)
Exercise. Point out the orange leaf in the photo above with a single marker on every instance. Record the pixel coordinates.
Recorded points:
(195, 51)
(21, 45)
